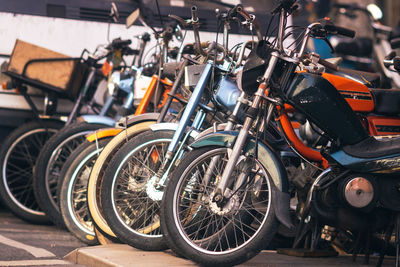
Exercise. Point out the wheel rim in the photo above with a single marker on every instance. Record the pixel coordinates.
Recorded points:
(18, 180)
(98, 169)
(77, 194)
(195, 214)
(56, 162)
(130, 200)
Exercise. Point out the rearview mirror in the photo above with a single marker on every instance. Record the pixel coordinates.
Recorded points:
(131, 19)
(114, 14)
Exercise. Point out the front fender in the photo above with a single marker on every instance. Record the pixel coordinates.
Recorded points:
(268, 158)
(169, 126)
(98, 119)
(133, 119)
(266, 155)
(103, 133)
(107, 132)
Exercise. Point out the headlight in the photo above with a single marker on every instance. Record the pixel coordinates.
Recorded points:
(113, 82)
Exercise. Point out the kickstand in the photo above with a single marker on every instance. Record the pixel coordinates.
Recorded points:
(301, 233)
(315, 236)
(357, 246)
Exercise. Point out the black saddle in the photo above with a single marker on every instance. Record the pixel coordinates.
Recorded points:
(369, 79)
(359, 47)
(373, 148)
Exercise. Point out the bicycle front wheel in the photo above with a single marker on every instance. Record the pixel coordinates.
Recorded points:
(201, 229)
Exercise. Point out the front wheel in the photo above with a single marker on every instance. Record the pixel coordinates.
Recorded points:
(50, 162)
(129, 198)
(73, 190)
(210, 233)
(18, 156)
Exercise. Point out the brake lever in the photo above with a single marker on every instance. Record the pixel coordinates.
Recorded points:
(329, 44)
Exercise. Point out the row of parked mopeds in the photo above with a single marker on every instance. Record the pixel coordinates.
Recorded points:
(229, 150)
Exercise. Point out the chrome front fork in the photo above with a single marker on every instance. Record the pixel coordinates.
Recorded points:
(243, 133)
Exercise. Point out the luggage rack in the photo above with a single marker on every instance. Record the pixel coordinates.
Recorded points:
(20, 81)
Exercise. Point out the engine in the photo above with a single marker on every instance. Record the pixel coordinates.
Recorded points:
(358, 191)
(357, 201)
(311, 135)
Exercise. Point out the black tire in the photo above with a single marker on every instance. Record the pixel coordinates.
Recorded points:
(16, 192)
(50, 162)
(196, 228)
(135, 222)
(73, 187)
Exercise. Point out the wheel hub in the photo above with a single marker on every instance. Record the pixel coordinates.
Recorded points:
(230, 207)
(152, 189)
(135, 184)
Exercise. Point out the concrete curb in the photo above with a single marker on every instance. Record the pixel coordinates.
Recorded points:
(119, 255)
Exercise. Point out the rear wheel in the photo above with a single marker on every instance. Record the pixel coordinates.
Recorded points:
(73, 190)
(18, 160)
(50, 162)
(212, 233)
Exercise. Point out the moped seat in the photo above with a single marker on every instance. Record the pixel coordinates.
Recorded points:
(359, 47)
(387, 101)
(374, 148)
(369, 79)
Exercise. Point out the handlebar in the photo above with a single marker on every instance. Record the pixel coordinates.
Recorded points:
(250, 18)
(332, 29)
(118, 43)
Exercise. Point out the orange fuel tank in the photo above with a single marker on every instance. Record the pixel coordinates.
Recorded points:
(356, 94)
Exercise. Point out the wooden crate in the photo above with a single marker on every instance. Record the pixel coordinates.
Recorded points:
(66, 75)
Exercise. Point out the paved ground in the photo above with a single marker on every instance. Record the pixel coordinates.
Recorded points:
(24, 244)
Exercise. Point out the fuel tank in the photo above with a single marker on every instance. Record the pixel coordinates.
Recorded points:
(324, 105)
(355, 93)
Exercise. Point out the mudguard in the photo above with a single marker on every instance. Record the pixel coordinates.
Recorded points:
(103, 133)
(133, 119)
(169, 126)
(269, 159)
(128, 121)
(98, 119)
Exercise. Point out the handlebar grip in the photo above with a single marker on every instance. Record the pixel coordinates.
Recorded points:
(195, 18)
(339, 30)
(395, 43)
(130, 51)
(328, 64)
(345, 32)
(118, 43)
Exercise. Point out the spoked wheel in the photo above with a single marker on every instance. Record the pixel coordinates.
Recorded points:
(18, 158)
(73, 190)
(218, 233)
(129, 196)
(97, 175)
(50, 162)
